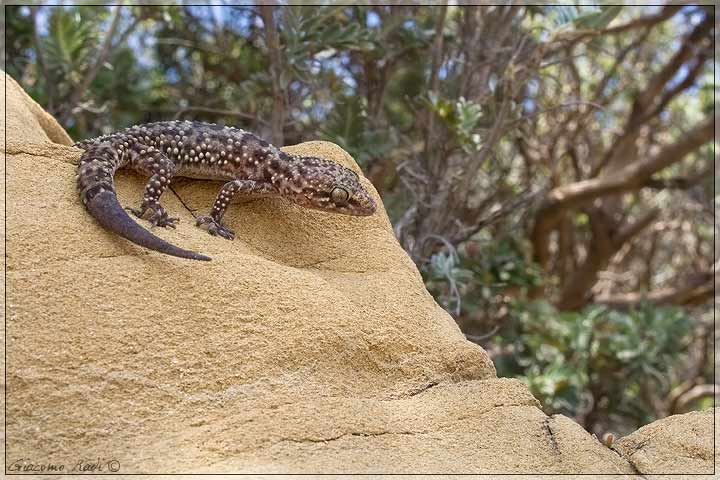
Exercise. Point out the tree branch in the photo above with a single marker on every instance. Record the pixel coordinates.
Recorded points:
(688, 48)
(650, 101)
(607, 240)
(628, 232)
(124, 35)
(277, 118)
(49, 83)
(632, 177)
(436, 54)
(437, 49)
(694, 394)
(634, 174)
(216, 111)
(695, 290)
(646, 21)
(90, 75)
(678, 183)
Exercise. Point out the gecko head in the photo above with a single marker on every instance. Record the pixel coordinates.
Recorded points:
(325, 185)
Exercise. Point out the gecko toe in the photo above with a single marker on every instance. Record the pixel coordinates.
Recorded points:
(138, 212)
(226, 233)
(165, 221)
(156, 215)
(215, 228)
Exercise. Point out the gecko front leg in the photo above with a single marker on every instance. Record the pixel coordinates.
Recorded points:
(151, 161)
(213, 222)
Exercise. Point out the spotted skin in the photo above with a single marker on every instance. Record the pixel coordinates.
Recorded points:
(249, 165)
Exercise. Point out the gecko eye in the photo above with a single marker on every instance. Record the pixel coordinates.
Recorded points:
(339, 195)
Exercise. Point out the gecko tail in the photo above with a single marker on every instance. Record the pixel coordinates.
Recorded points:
(103, 205)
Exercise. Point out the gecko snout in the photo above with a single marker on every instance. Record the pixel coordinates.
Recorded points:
(364, 205)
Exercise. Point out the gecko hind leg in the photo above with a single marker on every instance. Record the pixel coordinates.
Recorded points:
(161, 169)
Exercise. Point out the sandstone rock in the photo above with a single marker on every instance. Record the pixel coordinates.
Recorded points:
(681, 444)
(309, 344)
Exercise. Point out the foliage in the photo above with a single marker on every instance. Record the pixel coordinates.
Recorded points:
(584, 16)
(18, 48)
(597, 362)
(482, 277)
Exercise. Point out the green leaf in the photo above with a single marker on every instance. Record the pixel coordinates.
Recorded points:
(561, 14)
(599, 20)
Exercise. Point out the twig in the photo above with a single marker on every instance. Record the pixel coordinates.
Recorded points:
(123, 36)
(643, 106)
(694, 394)
(695, 290)
(443, 240)
(524, 198)
(191, 45)
(437, 54)
(555, 107)
(437, 49)
(267, 10)
(679, 183)
(619, 59)
(49, 84)
(629, 178)
(485, 336)
(217, 111)
(647, 21)
(90, 75)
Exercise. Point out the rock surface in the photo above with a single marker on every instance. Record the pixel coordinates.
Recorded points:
(681, 444)
(309, 344)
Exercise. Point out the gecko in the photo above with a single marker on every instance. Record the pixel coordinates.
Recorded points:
(247, 164)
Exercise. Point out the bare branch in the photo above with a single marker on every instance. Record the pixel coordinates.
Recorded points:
(679, 183)
(647, 21)
(277, 118)
(437, 49)
(216, 111)
(90, 75)
(124, 35)
(694, 290)
(607, 240)
(436, 54)
(480, 338)
(520, 201)
(578, 103)
(687, 82)
(632, 46)
(630, 178)
(49, 83)
(634, 175)
(650, 101)
(696, 393)
(682, 55)
(628, 232)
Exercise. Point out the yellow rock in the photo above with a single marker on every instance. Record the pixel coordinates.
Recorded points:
(309, 344)
(680, 444)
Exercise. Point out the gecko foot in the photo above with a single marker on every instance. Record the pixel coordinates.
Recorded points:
(206, 222)
(156, 215)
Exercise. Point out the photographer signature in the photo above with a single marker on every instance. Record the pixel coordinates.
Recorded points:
(81, 466)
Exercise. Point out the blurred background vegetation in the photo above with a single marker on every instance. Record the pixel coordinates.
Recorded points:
(550, 169)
